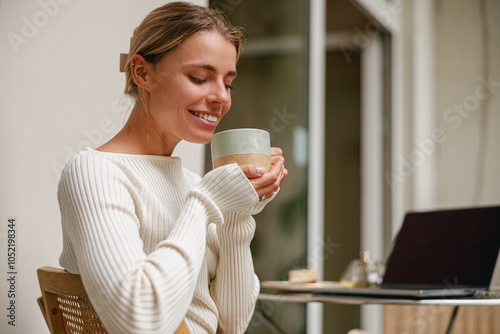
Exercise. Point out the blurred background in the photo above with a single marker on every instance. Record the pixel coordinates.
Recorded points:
(380, 107)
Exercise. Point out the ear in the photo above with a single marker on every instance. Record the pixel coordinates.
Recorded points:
(140, 70)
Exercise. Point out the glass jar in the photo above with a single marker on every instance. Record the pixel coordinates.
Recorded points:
(362, 272)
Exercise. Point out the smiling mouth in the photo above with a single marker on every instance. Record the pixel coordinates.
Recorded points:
(206, 117)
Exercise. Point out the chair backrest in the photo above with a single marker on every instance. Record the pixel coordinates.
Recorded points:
(67, 307)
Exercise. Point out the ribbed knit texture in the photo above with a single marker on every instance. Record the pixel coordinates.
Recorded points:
(156, 244)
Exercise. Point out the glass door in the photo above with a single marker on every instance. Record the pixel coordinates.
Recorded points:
(314, 74)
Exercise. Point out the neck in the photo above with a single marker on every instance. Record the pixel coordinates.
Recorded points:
(140, 136)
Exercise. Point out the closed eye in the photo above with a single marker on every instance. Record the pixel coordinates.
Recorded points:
(201, 81)
(196, 80)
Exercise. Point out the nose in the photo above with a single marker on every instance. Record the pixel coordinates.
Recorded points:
(219, 93)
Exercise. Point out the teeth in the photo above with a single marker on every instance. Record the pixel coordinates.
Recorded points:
(209, 118)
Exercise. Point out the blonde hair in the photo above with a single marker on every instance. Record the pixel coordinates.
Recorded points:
(167, 27)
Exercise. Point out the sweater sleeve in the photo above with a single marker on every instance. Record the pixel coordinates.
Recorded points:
(236, 287)
(133, 292)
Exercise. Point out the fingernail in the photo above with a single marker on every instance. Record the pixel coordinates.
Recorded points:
(261, 170)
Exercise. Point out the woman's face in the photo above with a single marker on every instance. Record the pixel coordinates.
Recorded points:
(190, 89)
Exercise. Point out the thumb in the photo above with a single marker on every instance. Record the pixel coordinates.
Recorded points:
(252, 171)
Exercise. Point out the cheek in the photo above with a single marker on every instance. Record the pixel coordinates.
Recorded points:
(166, 101)
(226, 108)
(189, 94)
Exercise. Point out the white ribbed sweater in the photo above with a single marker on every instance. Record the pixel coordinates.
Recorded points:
(156, 244)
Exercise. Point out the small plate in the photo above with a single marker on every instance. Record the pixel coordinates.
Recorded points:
(286, 286)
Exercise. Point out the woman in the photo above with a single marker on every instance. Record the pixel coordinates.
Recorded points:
(155, 244)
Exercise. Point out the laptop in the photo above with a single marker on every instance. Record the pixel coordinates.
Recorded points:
(438, 254)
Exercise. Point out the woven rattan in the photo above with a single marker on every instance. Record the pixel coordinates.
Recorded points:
(79, 315)
(66, 304)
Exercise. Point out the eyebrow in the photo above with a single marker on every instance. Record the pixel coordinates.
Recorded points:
(211, 68)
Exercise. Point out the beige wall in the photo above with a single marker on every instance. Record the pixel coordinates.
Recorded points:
(468, 164)
(446, 153)
(468, 104)
(456, 138)
(60, 90)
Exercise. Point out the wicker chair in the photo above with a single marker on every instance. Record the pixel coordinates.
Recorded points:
(66, 306)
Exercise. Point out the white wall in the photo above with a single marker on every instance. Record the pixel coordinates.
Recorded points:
(468, 105)
(468, 164)
(60, 90)
(447, 120)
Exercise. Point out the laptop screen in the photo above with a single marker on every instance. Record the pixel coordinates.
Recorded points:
(448, 248)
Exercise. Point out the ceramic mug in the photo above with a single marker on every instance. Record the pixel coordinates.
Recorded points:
(242, 146)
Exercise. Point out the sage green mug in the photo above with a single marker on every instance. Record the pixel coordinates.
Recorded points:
(242, 146)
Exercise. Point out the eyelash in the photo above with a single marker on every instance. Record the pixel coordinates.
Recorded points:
(196, 80)
(200, 81)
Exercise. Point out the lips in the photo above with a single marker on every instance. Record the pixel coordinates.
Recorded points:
(207, 117)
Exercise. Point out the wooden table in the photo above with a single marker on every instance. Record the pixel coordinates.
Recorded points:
(305, 297)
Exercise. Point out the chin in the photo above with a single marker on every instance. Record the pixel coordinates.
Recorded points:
(200, 140)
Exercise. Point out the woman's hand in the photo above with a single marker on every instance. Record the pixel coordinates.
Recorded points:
(265, 184)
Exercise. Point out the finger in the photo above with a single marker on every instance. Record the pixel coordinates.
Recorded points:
(270, 181)
(253, 171)
(268, 191)
(277, 164)
(284, 175)
(276, 151)
(276, 158)
(265, 196)
(281, 177)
